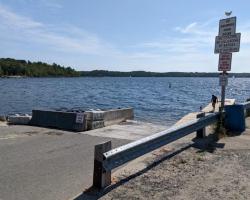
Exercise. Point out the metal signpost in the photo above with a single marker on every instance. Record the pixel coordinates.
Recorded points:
(226, 42)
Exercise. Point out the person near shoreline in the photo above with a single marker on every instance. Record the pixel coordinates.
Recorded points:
(214, 100)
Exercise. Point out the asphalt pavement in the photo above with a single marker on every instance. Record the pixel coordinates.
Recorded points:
(46, 164)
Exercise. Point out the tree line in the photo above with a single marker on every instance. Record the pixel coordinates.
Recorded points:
(12, 67)
(105, 73)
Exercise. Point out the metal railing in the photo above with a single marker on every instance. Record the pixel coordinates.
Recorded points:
(246, 105)
(107, 159)
(118, 156)
(247, 108)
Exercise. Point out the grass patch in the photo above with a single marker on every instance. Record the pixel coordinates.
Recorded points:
(201, 156)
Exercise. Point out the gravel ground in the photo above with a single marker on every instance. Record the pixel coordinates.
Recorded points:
(192, 174)
(184, 171)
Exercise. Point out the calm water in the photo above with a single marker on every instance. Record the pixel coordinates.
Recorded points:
(151, 98)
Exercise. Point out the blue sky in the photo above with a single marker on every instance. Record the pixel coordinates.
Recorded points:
(124, 35)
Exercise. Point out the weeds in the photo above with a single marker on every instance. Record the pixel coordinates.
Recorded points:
(219, 128)
(201, 156)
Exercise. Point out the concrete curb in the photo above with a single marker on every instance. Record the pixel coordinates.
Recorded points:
(19, 119)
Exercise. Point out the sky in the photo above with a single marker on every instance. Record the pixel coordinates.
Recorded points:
(122, 35)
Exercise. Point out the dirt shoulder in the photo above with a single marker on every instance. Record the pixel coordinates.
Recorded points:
(221, 171)
(224, 174)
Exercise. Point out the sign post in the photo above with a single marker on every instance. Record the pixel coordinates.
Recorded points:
(223, 79)
(226, 42)
(223, 84)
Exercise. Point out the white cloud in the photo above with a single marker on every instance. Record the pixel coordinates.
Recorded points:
(197, 29)
(191, 48)
(187, 48)
(10, 20)
(188, 29)
(245, 33)
(64, 39)
(51, 4)
(192, 38)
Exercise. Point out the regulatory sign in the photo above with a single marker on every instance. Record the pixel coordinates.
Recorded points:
(227, 44)
(79, 118)
(223, 80)
(227, 26)
(225, 60)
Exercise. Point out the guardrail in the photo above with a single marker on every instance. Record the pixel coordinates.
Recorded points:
(247, 108)
(246, 105)
(107, 159)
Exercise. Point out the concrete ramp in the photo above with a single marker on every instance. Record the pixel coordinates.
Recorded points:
(207, 109)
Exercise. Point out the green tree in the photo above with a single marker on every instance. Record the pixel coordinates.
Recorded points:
(10, 67)
(1, 71)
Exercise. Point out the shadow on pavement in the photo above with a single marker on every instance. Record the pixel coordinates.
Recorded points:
(208, 144)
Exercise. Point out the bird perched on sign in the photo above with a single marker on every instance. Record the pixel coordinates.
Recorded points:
(228, 13)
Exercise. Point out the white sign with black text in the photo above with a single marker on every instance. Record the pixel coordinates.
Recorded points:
(227, 44)
(79, 118)
(227, 26)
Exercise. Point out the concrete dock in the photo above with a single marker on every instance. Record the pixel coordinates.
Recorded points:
(207, 109)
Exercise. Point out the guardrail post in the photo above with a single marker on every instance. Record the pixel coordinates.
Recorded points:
(248, 109)
(201, 133)
(101, 177)
(247, 112)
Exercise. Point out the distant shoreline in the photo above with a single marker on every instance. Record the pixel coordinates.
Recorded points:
(104, 73)
(12, 68)
(24, 77)
(14, 77)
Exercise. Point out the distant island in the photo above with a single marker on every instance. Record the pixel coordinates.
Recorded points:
(10, 67)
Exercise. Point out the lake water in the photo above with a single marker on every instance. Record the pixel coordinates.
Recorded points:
(152, 98)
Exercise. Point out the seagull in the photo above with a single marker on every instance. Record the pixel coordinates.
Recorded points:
(228, 13)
